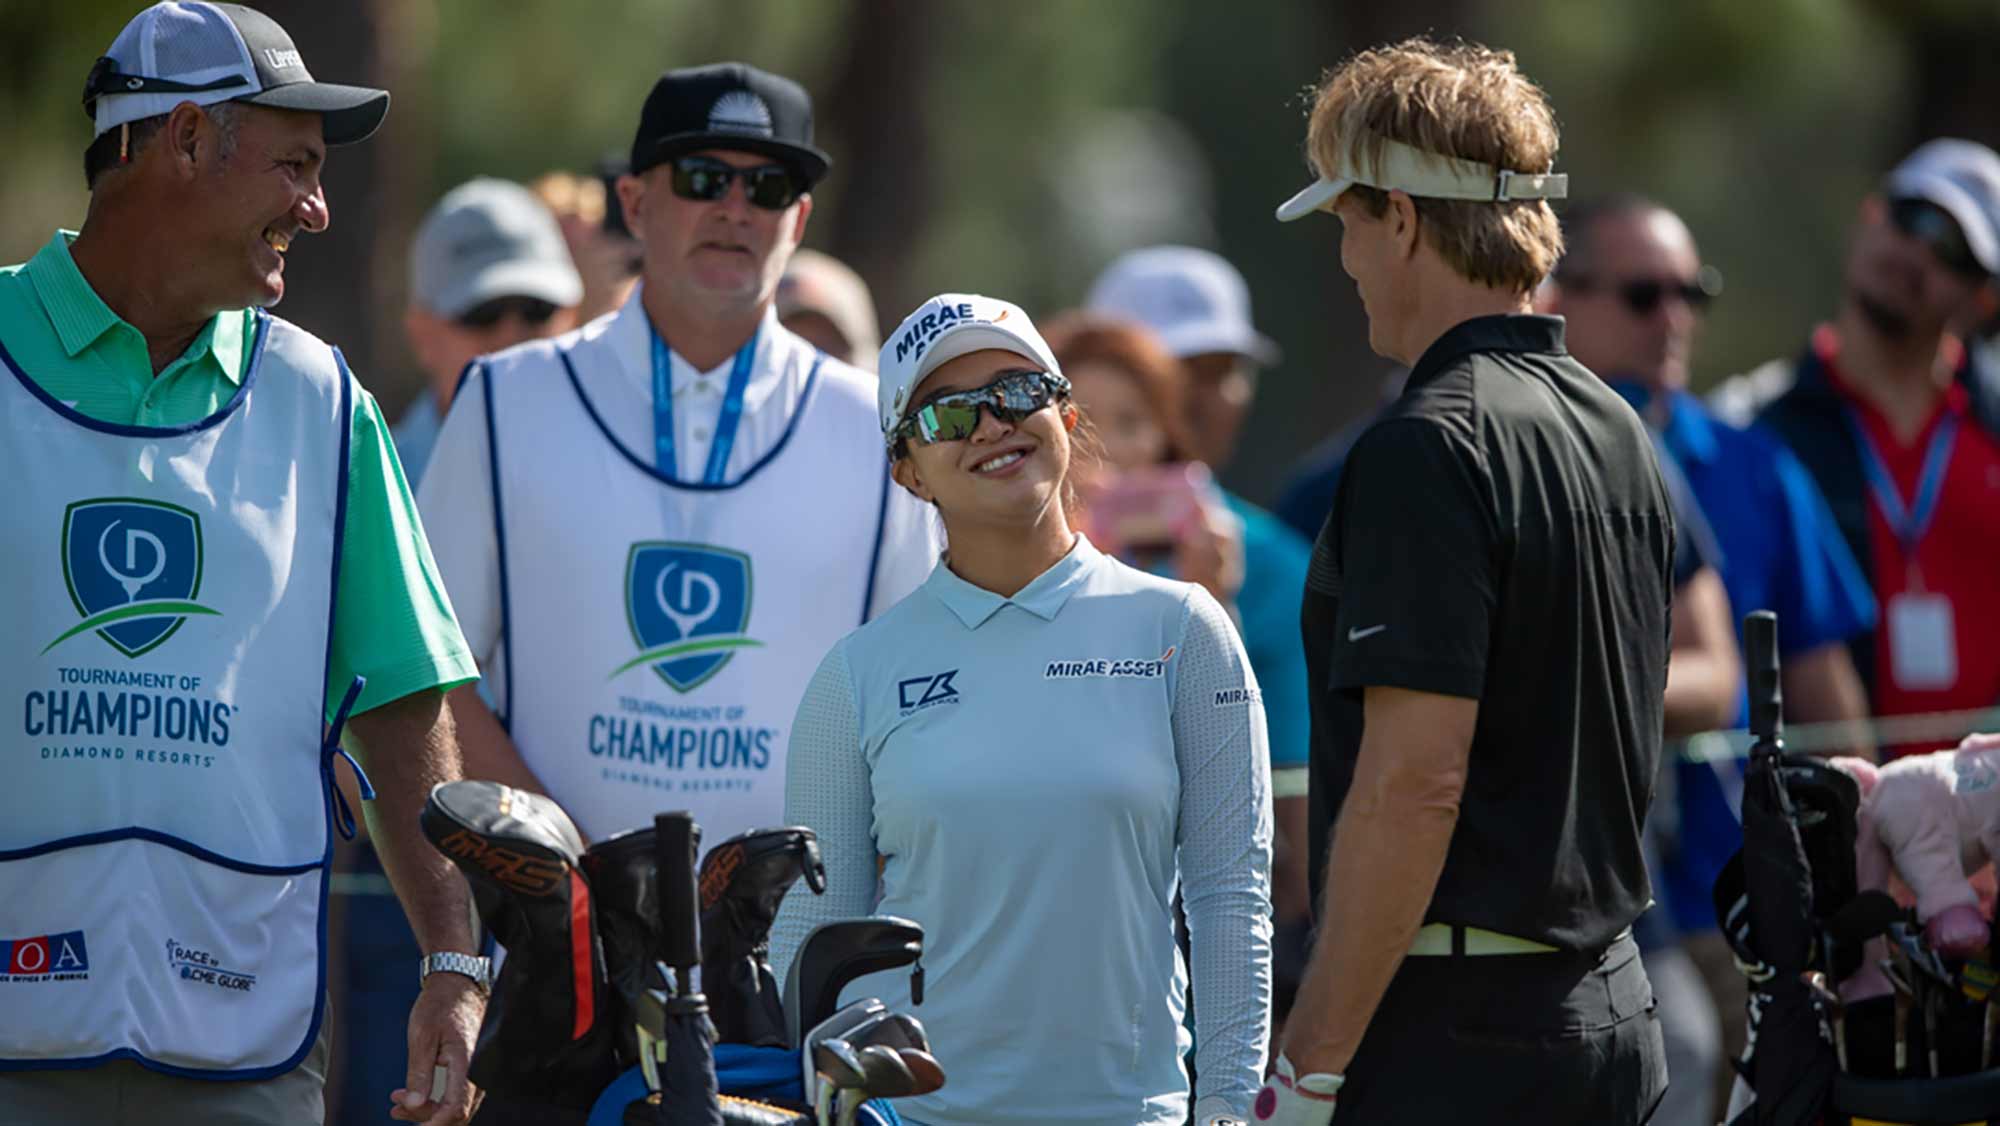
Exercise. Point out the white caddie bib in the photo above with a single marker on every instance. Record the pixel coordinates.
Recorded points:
(167, 596)
(658, 635)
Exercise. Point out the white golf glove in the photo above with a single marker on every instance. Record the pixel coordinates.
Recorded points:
(1291, 1099)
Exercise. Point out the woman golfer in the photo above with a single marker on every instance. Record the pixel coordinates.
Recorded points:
(1035, 750)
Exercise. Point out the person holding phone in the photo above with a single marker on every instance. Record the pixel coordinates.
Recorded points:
(1151, 486)
(1034, 750)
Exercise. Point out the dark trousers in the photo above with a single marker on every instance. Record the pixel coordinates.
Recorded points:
(1541, 1039)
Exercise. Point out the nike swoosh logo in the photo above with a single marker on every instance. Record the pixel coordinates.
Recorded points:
(1358, 634)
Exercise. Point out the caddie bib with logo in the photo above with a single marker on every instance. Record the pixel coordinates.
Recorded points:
(658, 633)
(167, 594)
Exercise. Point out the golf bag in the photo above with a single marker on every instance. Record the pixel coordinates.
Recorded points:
(742, 881)
(1790, 908)
(546, 1047)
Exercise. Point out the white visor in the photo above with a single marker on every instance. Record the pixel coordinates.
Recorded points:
(1428, 175)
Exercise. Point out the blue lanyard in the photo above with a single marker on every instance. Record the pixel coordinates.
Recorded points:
(725, 426)
(1908, 525)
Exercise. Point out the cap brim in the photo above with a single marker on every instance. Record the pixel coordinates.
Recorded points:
(1973, 222)
(976, 337)
(1314, 198)
(347, 113)
(540, 280)
(810, 163)
(1239, 340)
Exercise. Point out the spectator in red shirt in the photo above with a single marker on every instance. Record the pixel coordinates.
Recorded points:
(1899, 422)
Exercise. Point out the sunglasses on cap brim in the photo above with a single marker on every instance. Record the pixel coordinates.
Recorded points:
(772, 187)
(1927, 223)
(952, 416)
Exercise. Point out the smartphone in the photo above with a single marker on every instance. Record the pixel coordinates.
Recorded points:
(1144, 513)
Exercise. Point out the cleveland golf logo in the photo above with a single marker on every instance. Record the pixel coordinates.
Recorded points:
(688, 605)
(133, 568)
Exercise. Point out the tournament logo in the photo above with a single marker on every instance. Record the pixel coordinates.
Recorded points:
(688, 605)
(134, 570)
(45, 957)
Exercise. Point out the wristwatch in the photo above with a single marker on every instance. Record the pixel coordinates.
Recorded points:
(480, 970)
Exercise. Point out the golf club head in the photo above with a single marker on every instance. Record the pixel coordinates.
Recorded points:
(836, 953)
(888, 1077)
(832, 1028)
(924, 1068)
(842, 1066)
(891, 1030)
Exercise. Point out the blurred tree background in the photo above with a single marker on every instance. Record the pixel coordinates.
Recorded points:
(1014, 148)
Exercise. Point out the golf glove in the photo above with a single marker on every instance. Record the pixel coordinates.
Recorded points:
(1291, 1099)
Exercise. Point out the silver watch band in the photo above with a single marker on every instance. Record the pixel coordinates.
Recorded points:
(451, 961)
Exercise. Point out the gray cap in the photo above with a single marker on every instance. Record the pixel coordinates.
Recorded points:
(1963, 177)
(490, 238)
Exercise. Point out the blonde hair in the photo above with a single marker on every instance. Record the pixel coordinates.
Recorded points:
(1459, 100)
(570, 195)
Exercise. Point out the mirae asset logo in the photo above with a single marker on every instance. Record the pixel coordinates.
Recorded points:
(1109, 668)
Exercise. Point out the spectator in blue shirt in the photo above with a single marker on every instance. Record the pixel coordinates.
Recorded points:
(1632, 288)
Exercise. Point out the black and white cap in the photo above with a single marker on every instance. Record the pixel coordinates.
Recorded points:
(728, 106)
(192, 51)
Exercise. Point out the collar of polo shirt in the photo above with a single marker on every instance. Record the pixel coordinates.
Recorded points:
(1428, 175)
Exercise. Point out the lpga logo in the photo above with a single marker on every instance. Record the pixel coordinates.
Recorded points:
(688, 605)
(133, 568)
(48, 957)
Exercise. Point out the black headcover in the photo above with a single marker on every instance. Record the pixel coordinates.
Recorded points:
(743, 880)
(545, 1039)
(623, 873)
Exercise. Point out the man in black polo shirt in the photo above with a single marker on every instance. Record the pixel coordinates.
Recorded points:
(1486, 631)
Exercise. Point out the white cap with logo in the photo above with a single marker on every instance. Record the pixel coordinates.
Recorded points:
(206, 53)
(1963, 177)
(1192, 299)
(486, 239)
(944, 328)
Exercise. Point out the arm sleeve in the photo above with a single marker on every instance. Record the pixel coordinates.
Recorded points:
(393, 623)
(1224, 841)
(456, 499)
(911, 539)
(1419, 544)
(827, 789)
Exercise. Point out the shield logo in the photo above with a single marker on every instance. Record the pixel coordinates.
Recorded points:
(688, 604)
(134, 570)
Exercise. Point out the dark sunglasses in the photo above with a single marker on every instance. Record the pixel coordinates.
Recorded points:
(486, 314)
(1933, 226)
(954, 415)
(1643, 296)
(769, 186)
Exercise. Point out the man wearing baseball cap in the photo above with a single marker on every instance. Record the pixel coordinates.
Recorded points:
(655, 526)
(213, 566)
(489, 268)
(1486, 627)
(1897, 418)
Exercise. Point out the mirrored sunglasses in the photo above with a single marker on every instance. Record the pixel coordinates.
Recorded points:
(769, 186)
(953, 415)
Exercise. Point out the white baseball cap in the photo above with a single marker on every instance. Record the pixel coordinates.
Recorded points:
(490, 238)
(210, 53)
(1427, 175)
(1192, 299)
(1963, 177)
(944, 328)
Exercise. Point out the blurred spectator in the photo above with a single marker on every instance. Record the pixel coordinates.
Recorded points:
(593, 226)
(1633, 289)
(1308, 492)
(1899, 422)
(828, 304)
(488, 269)
(1198, 307)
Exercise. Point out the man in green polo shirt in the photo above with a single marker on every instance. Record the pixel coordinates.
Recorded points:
(135, 361)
